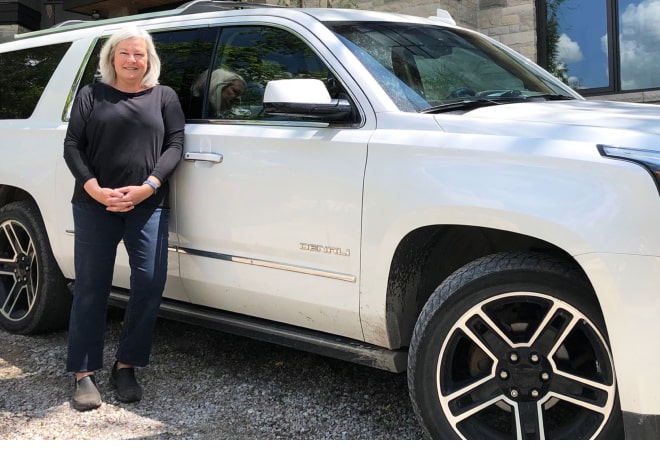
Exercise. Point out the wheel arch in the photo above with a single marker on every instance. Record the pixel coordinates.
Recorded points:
(428, 255)
(9, 194)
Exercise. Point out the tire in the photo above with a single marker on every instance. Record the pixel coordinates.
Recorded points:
(513, 346)
(33, 294)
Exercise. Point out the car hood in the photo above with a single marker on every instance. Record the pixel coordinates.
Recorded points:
(601, 117)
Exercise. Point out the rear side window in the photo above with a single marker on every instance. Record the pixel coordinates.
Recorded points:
(25, 73)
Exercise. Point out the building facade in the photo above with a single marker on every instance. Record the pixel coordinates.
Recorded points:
(603, 48)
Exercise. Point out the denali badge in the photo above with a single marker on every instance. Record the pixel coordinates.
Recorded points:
(324, 249)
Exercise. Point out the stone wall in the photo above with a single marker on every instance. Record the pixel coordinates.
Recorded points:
(7, 32)
(512, 22)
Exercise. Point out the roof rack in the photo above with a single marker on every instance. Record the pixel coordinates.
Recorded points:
(68, 22)
(192, 7)
(205, 6)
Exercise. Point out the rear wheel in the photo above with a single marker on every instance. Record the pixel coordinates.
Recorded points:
(33, 293)
(513, 346)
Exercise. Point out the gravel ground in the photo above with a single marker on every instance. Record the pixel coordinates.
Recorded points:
(206, 385)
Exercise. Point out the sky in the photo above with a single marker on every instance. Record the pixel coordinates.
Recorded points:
(583, 42)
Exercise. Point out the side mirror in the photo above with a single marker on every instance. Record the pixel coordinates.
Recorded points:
(304, 98)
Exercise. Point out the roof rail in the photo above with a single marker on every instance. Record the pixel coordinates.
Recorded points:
(205, 6)
(197, 6)
(68, 22)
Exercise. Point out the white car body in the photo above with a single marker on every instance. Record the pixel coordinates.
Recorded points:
(300, 224)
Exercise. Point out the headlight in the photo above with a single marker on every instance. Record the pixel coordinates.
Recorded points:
(646, 158)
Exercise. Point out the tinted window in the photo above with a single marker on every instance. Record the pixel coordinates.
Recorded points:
(184, 55)
(255, 55)
(25, 74)
(92, 73)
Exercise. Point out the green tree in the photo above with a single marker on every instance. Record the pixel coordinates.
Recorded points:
(555, 67)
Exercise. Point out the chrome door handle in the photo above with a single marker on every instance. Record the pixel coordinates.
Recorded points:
(206, 157)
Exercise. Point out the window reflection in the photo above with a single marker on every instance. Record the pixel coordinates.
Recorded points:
(24, 76)
(639, 37)
(577, 42)
(603, 45)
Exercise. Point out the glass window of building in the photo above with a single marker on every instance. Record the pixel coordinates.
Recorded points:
(601, 46)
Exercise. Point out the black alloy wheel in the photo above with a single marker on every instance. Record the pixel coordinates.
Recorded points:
(33, 293)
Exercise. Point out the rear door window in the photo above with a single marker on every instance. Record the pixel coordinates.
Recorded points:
(24, 76)
(184, 54)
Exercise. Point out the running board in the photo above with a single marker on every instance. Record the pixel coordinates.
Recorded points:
(282, 334)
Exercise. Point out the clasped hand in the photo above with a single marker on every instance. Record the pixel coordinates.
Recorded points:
(124, 199)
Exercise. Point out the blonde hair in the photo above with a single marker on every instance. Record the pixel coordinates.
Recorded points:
(108, 74)
(220, 78)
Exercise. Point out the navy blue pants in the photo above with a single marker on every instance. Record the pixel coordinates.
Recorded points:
(144, 231)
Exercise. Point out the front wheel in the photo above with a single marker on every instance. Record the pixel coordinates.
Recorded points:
(33, 293)
(513, 346)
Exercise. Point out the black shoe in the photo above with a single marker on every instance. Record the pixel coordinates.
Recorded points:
(128, 389)
(86, 395)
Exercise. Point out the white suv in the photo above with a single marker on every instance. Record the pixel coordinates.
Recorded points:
(391, 190)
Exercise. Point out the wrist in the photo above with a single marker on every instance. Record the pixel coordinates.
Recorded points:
(151, 184)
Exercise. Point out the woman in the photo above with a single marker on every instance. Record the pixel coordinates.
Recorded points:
(124, 140)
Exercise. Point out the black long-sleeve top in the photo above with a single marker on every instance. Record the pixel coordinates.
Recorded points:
(122, 138)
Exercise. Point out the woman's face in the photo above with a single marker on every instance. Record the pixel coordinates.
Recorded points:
(130, 61)
(231, 94)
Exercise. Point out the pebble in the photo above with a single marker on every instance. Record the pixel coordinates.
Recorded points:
(202, 384)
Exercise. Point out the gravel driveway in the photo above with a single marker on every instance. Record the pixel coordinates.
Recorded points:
(202, 384)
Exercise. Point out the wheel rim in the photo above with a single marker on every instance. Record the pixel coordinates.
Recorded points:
(525, 366)
(19, 272)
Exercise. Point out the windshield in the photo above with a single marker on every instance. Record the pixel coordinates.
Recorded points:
(430, 68)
